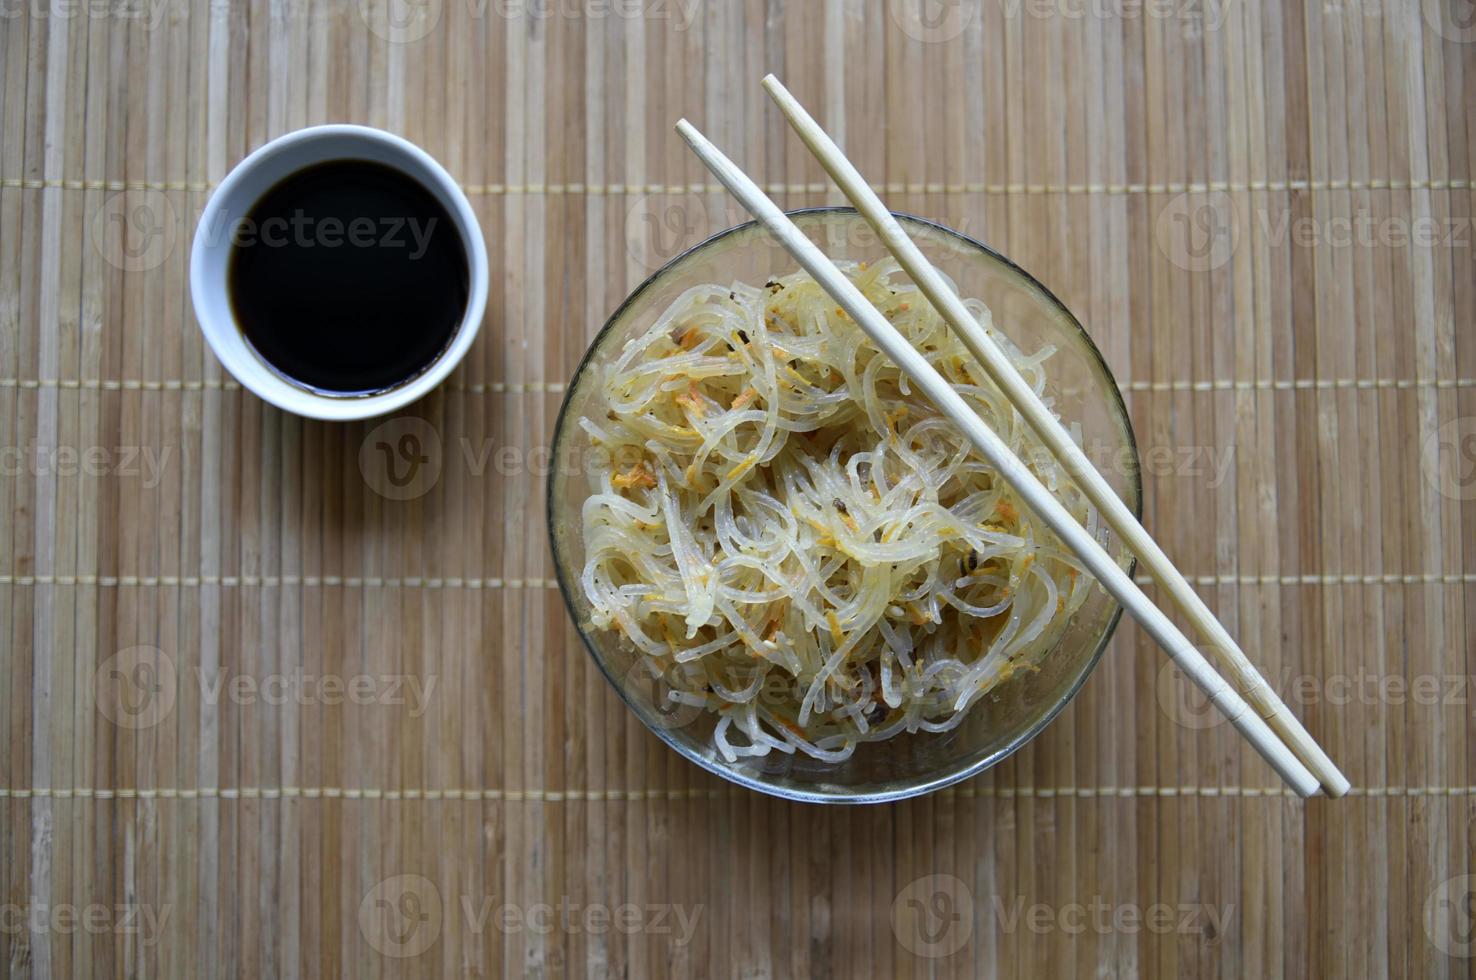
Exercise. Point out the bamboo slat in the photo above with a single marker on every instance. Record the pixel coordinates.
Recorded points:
(1262, 213)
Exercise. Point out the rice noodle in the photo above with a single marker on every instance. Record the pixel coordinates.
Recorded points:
(795, 539)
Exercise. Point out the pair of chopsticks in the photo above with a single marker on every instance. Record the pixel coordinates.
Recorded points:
(1270, 727)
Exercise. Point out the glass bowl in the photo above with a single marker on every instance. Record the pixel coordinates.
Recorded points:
(1084, 393)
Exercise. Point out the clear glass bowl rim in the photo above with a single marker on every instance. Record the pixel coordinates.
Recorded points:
(902, 791)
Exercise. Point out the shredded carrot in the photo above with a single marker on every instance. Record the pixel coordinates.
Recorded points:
(791, 726)
(691, 400)
(744, 397)
(637, 475)
(893, 418)
(741, 468)
(791, 371)
(1007, 510)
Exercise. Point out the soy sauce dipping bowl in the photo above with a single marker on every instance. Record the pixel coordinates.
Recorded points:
(1084, 393)
(210, 258)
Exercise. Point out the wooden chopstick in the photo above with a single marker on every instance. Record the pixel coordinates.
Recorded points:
(1226, 651)
(998, 454)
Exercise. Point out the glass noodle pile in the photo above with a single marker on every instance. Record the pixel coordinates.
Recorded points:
(792, 536)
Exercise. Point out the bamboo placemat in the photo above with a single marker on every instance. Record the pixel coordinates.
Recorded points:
(260, 718)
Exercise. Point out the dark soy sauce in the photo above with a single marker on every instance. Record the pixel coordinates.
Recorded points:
(348, 277)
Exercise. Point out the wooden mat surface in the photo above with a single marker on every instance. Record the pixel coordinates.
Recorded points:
(257, 718)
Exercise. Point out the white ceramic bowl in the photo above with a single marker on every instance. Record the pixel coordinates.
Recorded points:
(233, 199)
